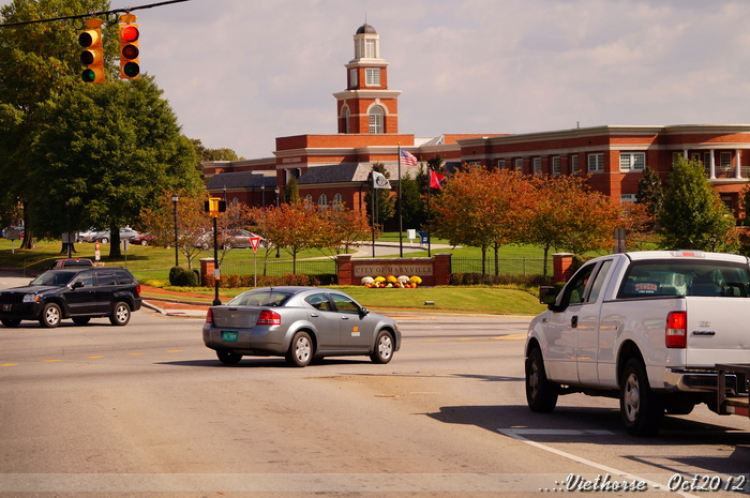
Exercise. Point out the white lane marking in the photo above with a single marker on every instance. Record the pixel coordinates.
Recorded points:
(516, 434)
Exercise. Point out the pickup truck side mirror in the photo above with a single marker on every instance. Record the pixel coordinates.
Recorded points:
(547, 295)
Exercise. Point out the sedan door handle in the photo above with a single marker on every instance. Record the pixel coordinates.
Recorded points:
(314, 315)
(344, 317)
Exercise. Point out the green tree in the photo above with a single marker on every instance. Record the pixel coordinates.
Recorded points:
(385, 200)
(414, 209)
(36, 61)
(692, 215)
(650, 191)
(291, 192)
(109, 151)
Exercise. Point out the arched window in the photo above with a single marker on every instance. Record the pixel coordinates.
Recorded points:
(308, 203)
(338, 202)
(376, 120)
(347, 115)
(323, 202)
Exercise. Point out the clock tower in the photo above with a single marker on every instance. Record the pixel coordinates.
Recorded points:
(367, 106)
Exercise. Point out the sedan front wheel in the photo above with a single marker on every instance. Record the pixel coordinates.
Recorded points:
(383, 351)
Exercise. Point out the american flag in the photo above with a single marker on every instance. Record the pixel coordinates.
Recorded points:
(407, 158)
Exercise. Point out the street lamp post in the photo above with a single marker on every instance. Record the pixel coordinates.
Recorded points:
(175, 198)
(277, 190)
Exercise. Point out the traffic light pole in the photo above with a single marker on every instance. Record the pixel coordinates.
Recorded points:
(217, 274)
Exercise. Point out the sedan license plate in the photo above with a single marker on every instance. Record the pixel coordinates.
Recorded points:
(229, 336)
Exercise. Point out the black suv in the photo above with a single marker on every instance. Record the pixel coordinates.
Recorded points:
(80, 294)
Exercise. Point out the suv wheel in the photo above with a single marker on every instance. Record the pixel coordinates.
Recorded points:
(51, 315)
(120, 314)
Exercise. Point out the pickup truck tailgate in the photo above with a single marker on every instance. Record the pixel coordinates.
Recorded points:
(718, 331)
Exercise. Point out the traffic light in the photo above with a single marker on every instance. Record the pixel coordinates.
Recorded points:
(129, 34)
(93, 55)
(215, 205)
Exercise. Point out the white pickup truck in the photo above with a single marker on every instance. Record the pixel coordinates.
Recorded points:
(658, 329)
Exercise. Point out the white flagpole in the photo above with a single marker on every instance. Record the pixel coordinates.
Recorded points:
(400, 217)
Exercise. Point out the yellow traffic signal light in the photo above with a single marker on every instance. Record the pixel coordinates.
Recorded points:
(215, 205)
(93, 55)
(129, 34)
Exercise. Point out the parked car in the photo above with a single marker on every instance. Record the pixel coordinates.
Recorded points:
(88, 235)
(143, 239)
(14, 233)
(299, 323)
(231, 238)
(72, 263)
(80, 294)
(125, 234)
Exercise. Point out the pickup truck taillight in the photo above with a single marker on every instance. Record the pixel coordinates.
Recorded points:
(676, 334)
(268, 317)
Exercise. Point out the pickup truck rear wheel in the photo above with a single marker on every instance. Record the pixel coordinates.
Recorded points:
(642, 410)
(541, 394)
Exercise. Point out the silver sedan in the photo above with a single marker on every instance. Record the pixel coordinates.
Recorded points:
(299, 323)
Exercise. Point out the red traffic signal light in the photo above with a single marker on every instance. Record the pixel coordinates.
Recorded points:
(93, 55)
(129, 34)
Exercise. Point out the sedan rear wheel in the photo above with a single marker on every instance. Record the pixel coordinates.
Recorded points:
(228, 357)
(301, 350)
(383, 351)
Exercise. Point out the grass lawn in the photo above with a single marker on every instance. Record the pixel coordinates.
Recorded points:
(151, 266)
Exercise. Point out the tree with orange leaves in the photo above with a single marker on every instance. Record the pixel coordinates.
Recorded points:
(482, 208)
(569, 216)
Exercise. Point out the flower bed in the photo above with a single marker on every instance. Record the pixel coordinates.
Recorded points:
(391, 281)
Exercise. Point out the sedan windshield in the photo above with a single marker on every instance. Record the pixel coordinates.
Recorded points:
(261, 297)
(53, 279)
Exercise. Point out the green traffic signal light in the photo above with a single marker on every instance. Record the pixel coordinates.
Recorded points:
(88, 76)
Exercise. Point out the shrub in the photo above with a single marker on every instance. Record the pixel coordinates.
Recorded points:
(183, 277)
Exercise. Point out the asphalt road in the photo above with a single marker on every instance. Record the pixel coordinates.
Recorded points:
(146, 409)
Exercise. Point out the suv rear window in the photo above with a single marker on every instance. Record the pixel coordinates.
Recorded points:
(685, 278)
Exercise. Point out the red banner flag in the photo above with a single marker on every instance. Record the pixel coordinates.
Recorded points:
(436, 180)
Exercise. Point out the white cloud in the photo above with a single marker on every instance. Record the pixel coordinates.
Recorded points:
(238, 74)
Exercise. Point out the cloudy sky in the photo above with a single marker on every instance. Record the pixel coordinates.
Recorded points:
(239, 73)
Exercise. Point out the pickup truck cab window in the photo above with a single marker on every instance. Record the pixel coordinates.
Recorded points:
(652, 279)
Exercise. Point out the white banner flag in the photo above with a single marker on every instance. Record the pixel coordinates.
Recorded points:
(380, 181)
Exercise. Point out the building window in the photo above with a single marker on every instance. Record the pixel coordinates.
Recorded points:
(372, 76)
(556, 165)
(574, 163)
(308, 202)
(707, 160)
(676, 157)
(519, 165)
(370, 49)
(625, 198)
(537, 166)
(353, 79)
(632, 161)
(376, 120)
(726, 159)
(696, 157)
(596, 163)
(501, 164)
(347, 120)
(338, 202)
(323, 202)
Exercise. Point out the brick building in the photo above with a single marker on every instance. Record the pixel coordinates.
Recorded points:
(335, 168)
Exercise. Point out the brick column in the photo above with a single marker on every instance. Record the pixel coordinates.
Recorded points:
(442, 269)
(207, 272)
(562, 263)
(344, 269)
